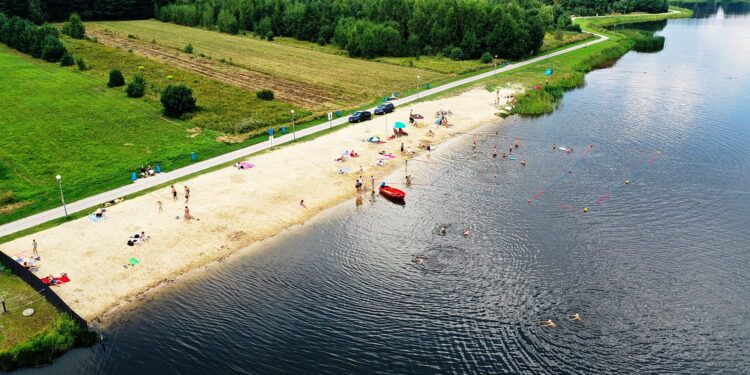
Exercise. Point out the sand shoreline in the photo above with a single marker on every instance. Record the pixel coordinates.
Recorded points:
(239, 210)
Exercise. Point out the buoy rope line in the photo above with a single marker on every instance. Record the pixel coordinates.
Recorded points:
(562, 177)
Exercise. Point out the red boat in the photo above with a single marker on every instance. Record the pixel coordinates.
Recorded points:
(392, 192)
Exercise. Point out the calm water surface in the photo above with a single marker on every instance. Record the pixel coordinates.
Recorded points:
(659, 269)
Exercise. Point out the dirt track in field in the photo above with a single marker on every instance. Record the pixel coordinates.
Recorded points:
(302, 95)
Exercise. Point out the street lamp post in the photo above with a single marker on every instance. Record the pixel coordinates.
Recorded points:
(294, 133)
(62, 195)
(386, 123)
(418, 85)
(495, 61)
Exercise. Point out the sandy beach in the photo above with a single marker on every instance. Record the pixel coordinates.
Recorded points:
(232, 208)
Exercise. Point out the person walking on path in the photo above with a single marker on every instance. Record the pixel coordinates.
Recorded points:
(187, 194)
(174, 194)
(34, 253)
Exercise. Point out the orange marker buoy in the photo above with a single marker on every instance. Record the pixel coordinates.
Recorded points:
(585, 209)
(529, 200)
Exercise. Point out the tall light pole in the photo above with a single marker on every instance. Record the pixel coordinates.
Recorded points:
(495, 61)
(294, 133)
(386, 123)
(419, 84)
(62, 195)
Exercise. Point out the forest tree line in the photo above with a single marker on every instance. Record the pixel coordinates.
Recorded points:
(459, 29)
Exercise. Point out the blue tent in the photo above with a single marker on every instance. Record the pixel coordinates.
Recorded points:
(548, 72)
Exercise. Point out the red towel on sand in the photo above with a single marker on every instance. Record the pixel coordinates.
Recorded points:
(64, 279)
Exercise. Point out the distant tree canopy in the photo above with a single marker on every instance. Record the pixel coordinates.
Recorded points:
(59, 10)
(37, 41)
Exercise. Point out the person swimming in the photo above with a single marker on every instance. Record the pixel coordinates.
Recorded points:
(420, 260)
(505, 156)
(443, 230)
(575, 316)
(494, 152)
(548, 323)
(466, 232)
(554, 146)
(523, 162)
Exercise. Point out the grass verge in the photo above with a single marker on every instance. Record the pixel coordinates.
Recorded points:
(38, 339)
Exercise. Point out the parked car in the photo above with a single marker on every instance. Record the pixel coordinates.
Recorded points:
(360, 116)
(384, 108)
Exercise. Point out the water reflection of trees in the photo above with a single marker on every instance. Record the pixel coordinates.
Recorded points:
(708, 9)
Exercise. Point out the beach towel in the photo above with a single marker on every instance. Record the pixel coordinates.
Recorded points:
(133, 261)
(97, 219)
(246, 165)
(61, 280)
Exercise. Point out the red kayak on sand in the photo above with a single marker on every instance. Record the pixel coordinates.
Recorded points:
(392, 192)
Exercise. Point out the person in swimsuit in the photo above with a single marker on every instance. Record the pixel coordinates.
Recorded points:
(575, 316)
(554, 146)
(494, 152)
(174, 194)
(187, 214)
(302, 203)
(523, 162)
(443, 230)
(187, 194)
(466, 232)
(420, 260)
(548, 323)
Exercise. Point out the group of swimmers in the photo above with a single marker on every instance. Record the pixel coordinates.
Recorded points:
(442, 231)
(551, 323)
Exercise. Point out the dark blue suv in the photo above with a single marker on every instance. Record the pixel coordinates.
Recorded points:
(360, 116)
(384, 108)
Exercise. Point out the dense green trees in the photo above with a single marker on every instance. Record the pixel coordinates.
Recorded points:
(38, 41)
(368, 28)
(39, 11)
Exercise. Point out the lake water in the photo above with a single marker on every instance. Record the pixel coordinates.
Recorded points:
(659, 268)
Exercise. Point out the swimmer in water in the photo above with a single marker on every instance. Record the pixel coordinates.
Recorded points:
(505, 156)
(554, 146)
(575, 316)
(443, 230)
(517, 143)
(548, 323)
(523, 162)
(494, 152)
(420, 260)
(466, 232)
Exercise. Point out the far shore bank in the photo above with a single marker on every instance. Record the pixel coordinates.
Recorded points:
(233, 208)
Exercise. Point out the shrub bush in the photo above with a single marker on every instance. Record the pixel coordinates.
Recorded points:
(53, 49)
(81, 63)
(456, 54)
(116, 79)
(269, 36)
(137, 87)
(486, 58)
(264, 94)
(67, 59)
(188, 48)
(177, 100)
(74, 27)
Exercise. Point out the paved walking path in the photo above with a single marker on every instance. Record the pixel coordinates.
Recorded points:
(143, 184)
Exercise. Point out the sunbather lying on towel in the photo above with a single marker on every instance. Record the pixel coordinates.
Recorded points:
(56, 280)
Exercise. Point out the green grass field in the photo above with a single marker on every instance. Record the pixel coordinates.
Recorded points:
(14, 327)
(59, 121)
(355, 81)
(222, 106)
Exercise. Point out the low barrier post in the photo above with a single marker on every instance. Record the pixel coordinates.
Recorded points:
(4, 309)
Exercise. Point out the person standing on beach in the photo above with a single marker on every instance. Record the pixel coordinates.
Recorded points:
(302, 203)
(372, 181)
(187, 194)
(402, 146)
(187, 214)
(34, 253)
(358, 185)
(159, 204)
(174, 194)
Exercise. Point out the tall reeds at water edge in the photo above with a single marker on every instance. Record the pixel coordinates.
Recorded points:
(545, 100)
